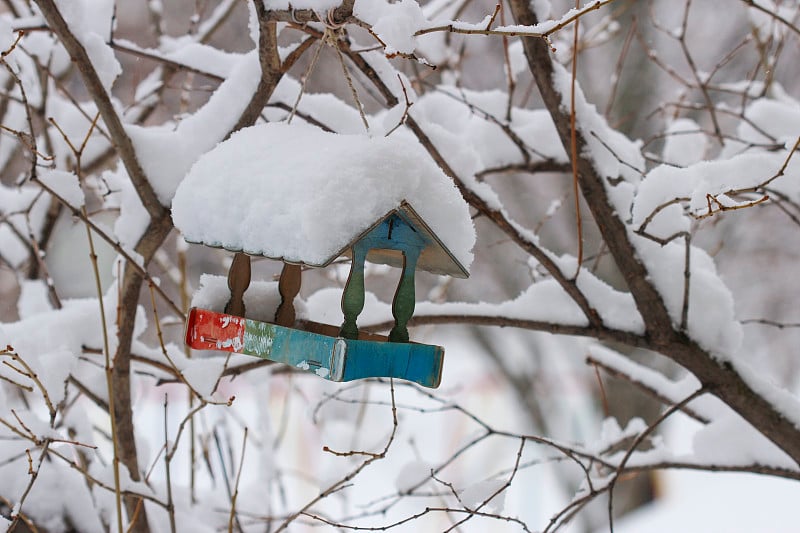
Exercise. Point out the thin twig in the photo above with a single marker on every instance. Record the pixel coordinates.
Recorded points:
(234, 517)
(108, 372)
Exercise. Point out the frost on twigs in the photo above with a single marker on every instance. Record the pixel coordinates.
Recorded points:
(111, 113)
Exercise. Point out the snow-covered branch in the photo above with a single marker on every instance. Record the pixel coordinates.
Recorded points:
(593, 334)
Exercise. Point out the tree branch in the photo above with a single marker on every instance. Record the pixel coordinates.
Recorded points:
(597, 332)
(101, 98)
(497, 217)
(717, 377)
(648, 300)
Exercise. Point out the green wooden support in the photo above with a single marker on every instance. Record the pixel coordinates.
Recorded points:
(393, 233)
(353, 295)
(404, 298)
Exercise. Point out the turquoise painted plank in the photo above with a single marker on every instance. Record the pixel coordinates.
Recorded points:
(332, 358)
(420, 363)
(307, 351)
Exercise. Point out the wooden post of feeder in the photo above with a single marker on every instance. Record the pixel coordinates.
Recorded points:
(288, 287)
(353, 296)
(238, 281)
(404, 298)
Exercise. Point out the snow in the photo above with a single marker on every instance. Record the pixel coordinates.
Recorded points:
(14, 119)
(411, 475)
(33, 298)
(613, 154)
(201, 374)
(785, 401)
(393, 23)
(695, 182)
(316, 5)
(672, 390)
(477, 126)
(685, 143)
(767, 120)
(76, 121)
(471, 139)
(14, 251)
(133, 218)
(261, 298)
(711, 320)
(729, 440)
(702, 502)
(326, 108)
(766, 23)
(58, 331)
(64, 184)
(7, 36)
(167, 153)
(712, 324)
(41, 46)
(90, 22)
(57, 497)
(324, 306)
(617, 309)
(477, 494)
(23, 209)
(699, 502)
(186, 51)
(297, 186)
(543, 301)
(297, 193)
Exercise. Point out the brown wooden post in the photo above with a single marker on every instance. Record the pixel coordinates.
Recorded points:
(353, 295)
(288, 287)
(238, 281)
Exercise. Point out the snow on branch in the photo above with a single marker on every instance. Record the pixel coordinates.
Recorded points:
(116, 116)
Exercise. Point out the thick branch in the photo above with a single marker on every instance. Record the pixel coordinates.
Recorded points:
(719, 378)
(648, 301)
(153, 238)
(339, 15)
(722, 380)
(595, 332)
(160, 224)
(497, 217)
(101, 98)
(271, 70)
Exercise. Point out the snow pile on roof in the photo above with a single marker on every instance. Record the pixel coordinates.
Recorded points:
(297, 193)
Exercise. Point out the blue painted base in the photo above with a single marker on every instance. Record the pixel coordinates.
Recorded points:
(332, 358)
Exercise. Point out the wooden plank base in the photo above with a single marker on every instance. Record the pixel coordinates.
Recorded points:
(329, 357)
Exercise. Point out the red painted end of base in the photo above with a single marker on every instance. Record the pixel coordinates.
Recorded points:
(208, 330)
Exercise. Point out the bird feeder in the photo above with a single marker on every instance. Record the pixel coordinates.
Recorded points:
(400, 237)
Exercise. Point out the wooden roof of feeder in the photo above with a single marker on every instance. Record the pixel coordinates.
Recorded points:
(299, 194)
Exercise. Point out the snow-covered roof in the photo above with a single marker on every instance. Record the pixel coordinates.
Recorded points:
(303, 195)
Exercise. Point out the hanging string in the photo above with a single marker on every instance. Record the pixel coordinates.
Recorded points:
(306, 75)
(350, 84)
(330, 37)
(332, 32)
